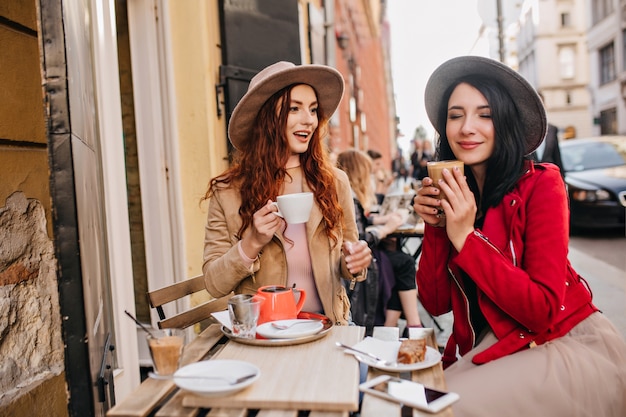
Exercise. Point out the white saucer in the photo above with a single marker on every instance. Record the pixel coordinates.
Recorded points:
(230, 369)
(299, 328)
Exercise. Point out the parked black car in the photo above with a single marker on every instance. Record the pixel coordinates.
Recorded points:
(595, 174)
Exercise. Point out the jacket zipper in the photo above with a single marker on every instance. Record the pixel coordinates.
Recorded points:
(511, 246)
(513, 254)
(467, 310)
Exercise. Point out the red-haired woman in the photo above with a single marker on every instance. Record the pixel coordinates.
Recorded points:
(277, 130)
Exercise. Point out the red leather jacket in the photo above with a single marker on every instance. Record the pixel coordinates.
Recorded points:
(526, 288)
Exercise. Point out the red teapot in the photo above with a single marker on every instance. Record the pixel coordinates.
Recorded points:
(280, 302)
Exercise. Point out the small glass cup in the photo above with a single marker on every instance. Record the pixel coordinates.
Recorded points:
(435, 171)
(166, 349)
(244, 310)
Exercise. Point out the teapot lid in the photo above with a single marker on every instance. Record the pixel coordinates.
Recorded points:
(274, 288)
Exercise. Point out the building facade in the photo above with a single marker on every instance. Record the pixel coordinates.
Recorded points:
(552, 55)
(606, 40)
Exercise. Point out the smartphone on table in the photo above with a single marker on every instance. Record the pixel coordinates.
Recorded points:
(409, 393)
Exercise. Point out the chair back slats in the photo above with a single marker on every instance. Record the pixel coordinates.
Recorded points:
(175, 291)
(170, 293)
(195, 314)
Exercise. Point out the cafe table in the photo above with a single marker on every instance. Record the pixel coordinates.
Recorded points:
(404, 236)
(316, 377)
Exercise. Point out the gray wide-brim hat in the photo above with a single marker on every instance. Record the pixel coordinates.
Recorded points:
(526, 99)
(327, 82)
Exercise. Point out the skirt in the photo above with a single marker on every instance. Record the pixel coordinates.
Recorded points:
(581, 374)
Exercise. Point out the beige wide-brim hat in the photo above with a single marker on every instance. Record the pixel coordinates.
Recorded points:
(526, 99)
(327, 82)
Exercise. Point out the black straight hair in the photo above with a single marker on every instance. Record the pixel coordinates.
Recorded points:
(506, 164)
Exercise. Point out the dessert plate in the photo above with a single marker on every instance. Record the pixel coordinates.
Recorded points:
(295, 328)
(432, 357)
(229, 370)
(388, 350)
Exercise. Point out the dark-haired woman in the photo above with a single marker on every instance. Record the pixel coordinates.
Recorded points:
(527, 339)
(277, 130)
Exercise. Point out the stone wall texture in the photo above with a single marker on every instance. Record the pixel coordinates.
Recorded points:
(31, 346)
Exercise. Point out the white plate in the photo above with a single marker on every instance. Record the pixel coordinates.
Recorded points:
(432, 357)
(388, 350)
(227, 368)
(299, 328)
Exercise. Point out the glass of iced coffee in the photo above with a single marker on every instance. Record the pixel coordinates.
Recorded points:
(166, 349)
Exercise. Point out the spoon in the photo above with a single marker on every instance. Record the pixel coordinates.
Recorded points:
(290, 325)
(371, 355)
(145, 329)
(230, 381)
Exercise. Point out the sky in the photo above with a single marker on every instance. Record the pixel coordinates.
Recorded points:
(424, 34)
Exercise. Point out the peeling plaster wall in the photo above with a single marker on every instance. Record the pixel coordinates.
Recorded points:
(32, 377)
(31, 347)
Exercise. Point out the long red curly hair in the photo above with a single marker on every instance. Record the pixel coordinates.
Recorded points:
(258, 168)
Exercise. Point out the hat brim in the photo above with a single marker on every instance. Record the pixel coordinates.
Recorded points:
(327, 82)
(528, 102)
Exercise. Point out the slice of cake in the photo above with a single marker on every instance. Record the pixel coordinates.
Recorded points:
(412, 351)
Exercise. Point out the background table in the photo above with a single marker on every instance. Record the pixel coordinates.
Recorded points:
(405, 236)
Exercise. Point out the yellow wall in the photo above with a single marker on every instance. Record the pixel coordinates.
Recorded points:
(24, 162)
(202, 136)
(23, 157)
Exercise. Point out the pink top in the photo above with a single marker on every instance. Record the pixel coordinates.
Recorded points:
(299, 271)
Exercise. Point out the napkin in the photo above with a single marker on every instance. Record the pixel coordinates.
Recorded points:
(384, 349)
(224, 318)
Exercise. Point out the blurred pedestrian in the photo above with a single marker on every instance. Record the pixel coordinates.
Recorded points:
(381, 177)
(401, 178)
(420, 157)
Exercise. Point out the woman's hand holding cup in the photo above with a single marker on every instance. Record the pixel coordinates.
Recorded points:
(427, 204)
(358, 256)
(264, 224)
(428, 201)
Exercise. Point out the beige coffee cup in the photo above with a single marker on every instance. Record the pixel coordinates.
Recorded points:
(294, 208)
(435, 169)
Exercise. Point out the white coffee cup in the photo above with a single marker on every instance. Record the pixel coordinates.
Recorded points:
(294, 208)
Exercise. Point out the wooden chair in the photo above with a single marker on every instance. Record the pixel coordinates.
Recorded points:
(174, 292)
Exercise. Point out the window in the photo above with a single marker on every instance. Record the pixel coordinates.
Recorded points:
(608, 122)
(624, 46)
(607, 64)
(566, 20)
(567, 54)
(601, 9)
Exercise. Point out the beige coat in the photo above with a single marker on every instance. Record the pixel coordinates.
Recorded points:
(224, 270)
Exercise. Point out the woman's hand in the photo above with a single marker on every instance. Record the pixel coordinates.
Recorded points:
(264, 224)
(460, 207)
(427, 205)
(393, 221)
(358, 256)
